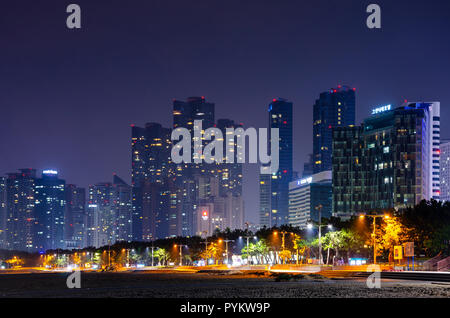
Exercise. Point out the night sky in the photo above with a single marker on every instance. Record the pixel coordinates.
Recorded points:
(68, 97)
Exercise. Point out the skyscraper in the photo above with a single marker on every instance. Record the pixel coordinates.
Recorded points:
(150, 148)
(334, 108)
(49, 211)
(101, 214)
(75, 217)
(184, 115)
(109, 212)
(274, 189)
(122, 204)
(20, 201)
(391, 161)
(230, 174)
(445, 170)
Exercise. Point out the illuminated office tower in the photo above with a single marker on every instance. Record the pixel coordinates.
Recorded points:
(334, 108)
(20, 201)
(49, 211)
(445, 170)
(391, 161)
(274, 188)
(75, 217)
(3, 213)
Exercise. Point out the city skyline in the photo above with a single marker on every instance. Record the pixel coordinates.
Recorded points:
(241, 66)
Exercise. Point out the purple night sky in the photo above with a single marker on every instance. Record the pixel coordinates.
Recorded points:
(68, 97)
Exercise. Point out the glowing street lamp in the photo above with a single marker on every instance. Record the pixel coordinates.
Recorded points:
(374, 216)
(226, 247)
(181, 252)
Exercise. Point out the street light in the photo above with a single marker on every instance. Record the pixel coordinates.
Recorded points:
(310, 226)
(226, 248)
(374, 216)
(181, 252)
(248, 237)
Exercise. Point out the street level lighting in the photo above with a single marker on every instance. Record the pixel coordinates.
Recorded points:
(226, 249)
(374, 216)
(181, 252)
(319, 208)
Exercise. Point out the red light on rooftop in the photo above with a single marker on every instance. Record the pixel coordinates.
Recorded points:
(274, 100)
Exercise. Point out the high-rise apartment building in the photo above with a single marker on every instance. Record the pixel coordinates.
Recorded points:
(75, 217)
(334, 108)
(185, 113)
(150, 148)
(20, 218)
(50, 208)
(109, 213)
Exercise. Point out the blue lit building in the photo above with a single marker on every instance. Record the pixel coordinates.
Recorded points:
(49, 211)
(334, 108)
(274, 188)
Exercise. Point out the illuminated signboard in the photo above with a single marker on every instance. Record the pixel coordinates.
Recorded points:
(304, 181)
(50, 172)
(381, 109)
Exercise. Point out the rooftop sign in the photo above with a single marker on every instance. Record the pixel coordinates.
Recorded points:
(53, 172)
(381, 109)
(304, 181)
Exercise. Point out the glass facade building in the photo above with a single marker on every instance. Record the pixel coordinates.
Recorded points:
(391, 161)
(334, 108)
(50, 208)
(274, 189)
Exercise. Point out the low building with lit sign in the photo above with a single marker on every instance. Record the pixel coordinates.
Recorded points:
(305, 195)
